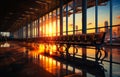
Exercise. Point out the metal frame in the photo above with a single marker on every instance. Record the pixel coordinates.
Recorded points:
(96, 16)
(67, 19)
(73, 17)
(61, 17)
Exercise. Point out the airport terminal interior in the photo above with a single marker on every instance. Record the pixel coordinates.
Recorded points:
(60, 38)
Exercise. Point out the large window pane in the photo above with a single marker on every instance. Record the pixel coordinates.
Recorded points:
(116, 21)
(70, 18)
(78, 16)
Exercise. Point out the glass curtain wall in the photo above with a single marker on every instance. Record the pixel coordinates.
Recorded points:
(54, 22)
(98, 18)
(116, 21)
(91, 16)
(58, 21)
(36, 24)
(47, 26)
(33, 29)
(70, 18)
(41, 26)
(64, 20)
(36, 28)
(50, 24)
(104, 18)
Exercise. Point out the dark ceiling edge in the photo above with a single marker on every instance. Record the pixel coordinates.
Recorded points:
(53, 9)
(46, 13)
(56, 7)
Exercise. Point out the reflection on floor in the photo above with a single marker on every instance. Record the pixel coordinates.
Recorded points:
(61, 69)
(19, 60)
(14, 62)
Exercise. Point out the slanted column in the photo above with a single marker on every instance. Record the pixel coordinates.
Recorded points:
(61, 17)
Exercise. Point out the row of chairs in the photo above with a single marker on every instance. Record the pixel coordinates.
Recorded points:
(88, 39)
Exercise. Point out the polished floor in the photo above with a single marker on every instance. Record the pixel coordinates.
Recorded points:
(24, 60)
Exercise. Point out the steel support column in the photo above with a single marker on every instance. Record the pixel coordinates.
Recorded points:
(111, 23)
(61, 17)
(84, 16)
(84, 24)
(111, 10)
(96, 26)
(67, 49)
(96, 16)
(67, 19)
(73, 17)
